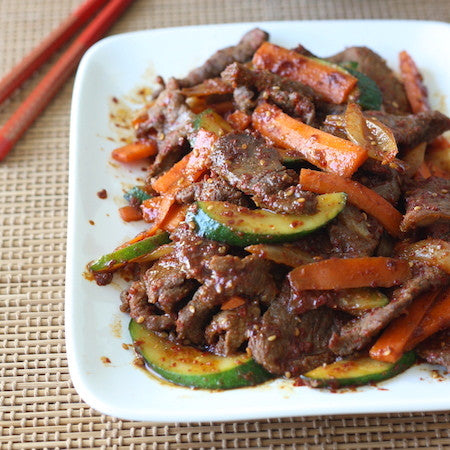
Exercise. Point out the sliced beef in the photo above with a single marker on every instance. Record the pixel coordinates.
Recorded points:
(253, 167)
(436, 349)
(244, 98)
(285, 343)
(354, 233)
(293, 97)
(228, 330)
(166, 284)
(375, 67)
(135, 302)
(248, 277)
(427, 201)
(212, 189)
(413, 129)
(193, 253)
(384, 180)
(170, 120)
(438, 230)
(359, 332)
(241, 52)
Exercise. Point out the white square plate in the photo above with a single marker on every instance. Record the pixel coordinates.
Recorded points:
(94, 326)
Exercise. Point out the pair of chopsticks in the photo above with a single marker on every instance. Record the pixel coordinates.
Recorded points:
(29, 110)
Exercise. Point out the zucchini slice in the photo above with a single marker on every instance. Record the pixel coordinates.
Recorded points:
(356, 372)
(213, 122)
(358, 301)
(235, 225)
(190, 367)
(370, 96)
(118, 258)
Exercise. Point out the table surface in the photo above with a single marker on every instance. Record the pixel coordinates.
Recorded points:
(39, 407)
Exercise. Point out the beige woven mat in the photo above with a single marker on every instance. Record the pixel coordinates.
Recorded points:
(39, 407)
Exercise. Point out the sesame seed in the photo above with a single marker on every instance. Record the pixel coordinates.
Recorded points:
(262, 162)
(140, 319)
(290, 191)
(244, 146)
(161, 136)
(417, 208)
(395, 104)
(276, 88)
(297, 332)
(192, 308)
(125, 346)
(191, 225)
(287, 374)
(272, 338)
(248, 351)
(300, 200)
(444, 191)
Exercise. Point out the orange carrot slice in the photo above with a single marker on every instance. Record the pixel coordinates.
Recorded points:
(416, 92)
(358, 194)
(212, 86)
(232, 303)
(436, 319)
(331, 82)
(130, 213)
(390, 346)
(135, 151)
(324, 150)
(350, 273)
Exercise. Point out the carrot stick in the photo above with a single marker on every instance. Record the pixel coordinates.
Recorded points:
(437, 318)
(348, 273)
(390, 346)
(239, 120)
(358, 194)
(212, 86)
(416, 92)
(333, 83)
(130, 213)
(324, 150)
(190, 168)
(174, 217)
(232, 303)
(135, 151)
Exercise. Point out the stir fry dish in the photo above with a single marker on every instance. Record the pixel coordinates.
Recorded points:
(298, 221)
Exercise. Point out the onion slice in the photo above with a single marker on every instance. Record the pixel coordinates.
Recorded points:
(371, 134)
(432, 251)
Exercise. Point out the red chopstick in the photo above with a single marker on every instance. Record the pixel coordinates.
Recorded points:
(22, 71)
(28, 111)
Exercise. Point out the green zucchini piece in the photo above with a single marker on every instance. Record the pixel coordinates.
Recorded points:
(188, 366)
(356, 372)
(235, 225)
(370, 96)
(137, 193)
(213, 122)
(358, 301)
(118, 258)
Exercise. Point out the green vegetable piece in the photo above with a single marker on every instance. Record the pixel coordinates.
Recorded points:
(188, 366)
(358, 301)
(370, 96)
(357, 372)
(235, 225)
(115, 260)
(138, 193)
(213, 122)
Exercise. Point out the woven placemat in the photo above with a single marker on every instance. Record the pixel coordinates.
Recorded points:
(39, 406)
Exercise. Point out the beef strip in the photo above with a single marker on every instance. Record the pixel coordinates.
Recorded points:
(241, 52)
(244, 98)
(358, 333)
(438, 230)
(285, 343)
(212, 189)
(250, 165)
(170, 119)
(375, 67)
(436, 349)
(248, 277)
(293, 97)
(384, 180)
(193, 253)
(166, 284)
(413, 129)
(354, 233)
(135, 302)
(427, 201)
(228, 330)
